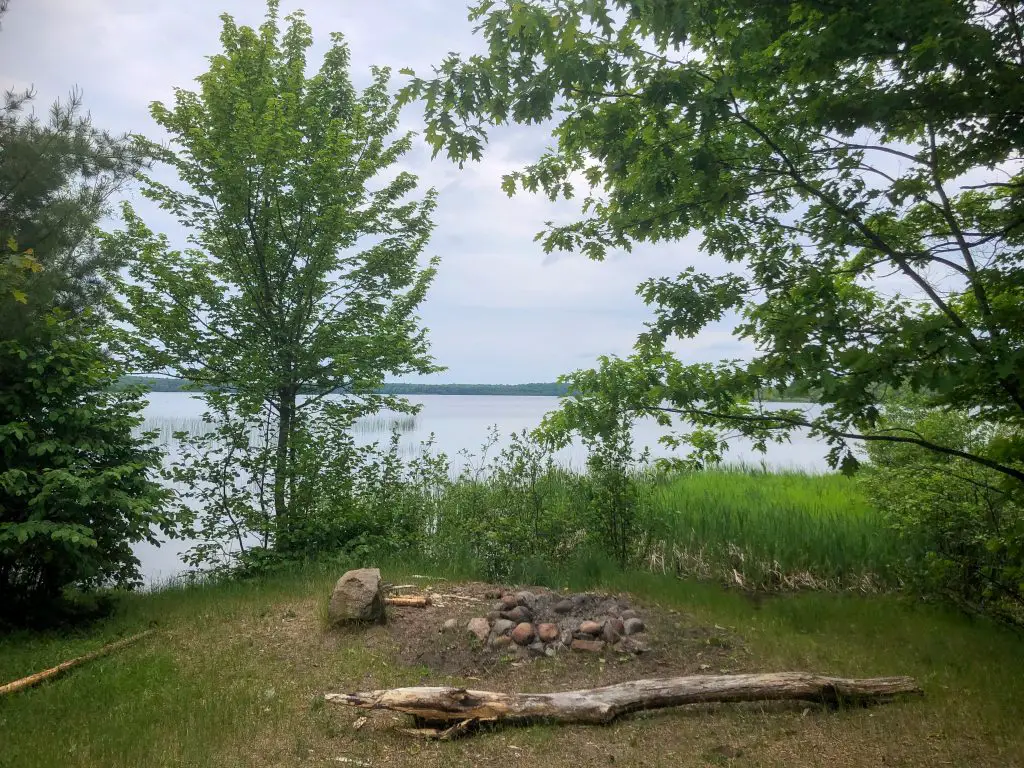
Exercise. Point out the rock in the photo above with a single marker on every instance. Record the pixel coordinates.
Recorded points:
(449, 625)
(633, 625)
(613, 630)
(628, 614)
(519, 614)
(479, 627)
(500, 641)
(537, 648)
(563, 606)
(566, 637)
(636, 647)
(503, 626)
(357, 597)
(523, 634)
(548, 633)
(591, 646)
(493, 615)
(508, 602)
(525, 598)
(590, 628)
(550, 651)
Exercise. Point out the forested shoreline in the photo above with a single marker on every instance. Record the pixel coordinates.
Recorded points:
(534, 389)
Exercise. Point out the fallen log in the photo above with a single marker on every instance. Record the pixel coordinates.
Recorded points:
(602, 705)
(52, 672)
(409, 601)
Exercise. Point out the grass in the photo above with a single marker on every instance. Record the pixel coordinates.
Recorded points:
(234, 674)
(769, 529)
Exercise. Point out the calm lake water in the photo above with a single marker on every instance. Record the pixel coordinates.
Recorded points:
(458, 423)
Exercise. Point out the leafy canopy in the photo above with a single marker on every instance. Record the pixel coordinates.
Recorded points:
(303, 270)
(855, 163)
(77, 484)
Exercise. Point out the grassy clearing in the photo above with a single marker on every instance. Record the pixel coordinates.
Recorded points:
(233, 677)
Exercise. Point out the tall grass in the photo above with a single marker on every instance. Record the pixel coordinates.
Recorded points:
(768, 530)
(763, 531)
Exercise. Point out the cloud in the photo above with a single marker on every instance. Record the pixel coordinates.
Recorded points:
(500, 310)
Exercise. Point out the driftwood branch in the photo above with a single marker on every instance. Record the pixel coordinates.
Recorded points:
(602, 705)
(48, 674)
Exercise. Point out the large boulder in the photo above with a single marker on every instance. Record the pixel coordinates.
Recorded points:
(357, 597)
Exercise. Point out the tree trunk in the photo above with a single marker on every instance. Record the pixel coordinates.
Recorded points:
(602, 705)
(283, 469)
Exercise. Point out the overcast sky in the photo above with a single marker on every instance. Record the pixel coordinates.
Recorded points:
(500, 310)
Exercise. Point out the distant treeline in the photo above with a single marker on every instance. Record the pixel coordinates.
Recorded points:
(549, 389)
(540, 389)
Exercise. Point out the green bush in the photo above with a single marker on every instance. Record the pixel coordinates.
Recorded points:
(350, 501)
(76, 488)
(962, 523)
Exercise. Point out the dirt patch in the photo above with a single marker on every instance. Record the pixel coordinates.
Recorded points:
(437, 639)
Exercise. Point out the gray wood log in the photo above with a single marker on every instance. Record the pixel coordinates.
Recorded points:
(602, 705)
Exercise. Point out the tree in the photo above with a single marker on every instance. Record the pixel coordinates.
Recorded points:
(858, 163)
(56, 179)
(965, 529)
(77, 487)
(303, 275)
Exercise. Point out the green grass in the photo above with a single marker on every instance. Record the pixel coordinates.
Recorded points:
(233, 675)
(767, 531)
(773, 529)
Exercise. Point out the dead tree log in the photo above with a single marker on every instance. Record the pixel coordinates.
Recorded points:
(52, 672)
(602, 705)
(408, 601)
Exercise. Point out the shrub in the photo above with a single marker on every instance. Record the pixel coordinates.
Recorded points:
(76, 488)
(963, 523)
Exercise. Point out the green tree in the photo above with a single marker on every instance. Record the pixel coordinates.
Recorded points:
(857, 163)
(77, 488)
(56, 180)
(303, 274)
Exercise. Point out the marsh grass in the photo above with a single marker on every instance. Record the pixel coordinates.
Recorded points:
(760, 531)
(771, 530)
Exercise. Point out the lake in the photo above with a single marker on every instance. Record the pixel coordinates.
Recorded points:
(458, 423)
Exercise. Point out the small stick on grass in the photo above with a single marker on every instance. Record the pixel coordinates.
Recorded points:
(410, 601)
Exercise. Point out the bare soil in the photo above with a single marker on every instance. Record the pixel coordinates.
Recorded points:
(676, 643)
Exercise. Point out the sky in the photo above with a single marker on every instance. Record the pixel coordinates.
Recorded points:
(500, 310)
